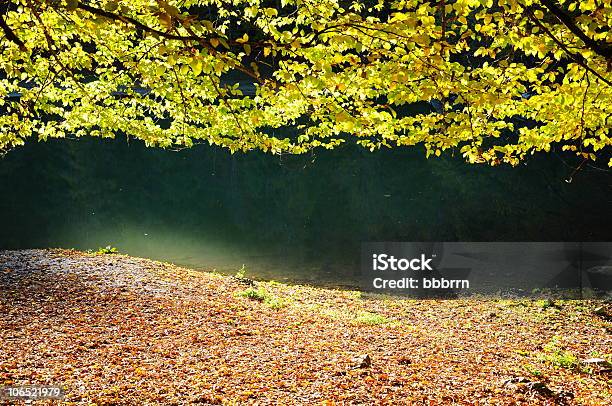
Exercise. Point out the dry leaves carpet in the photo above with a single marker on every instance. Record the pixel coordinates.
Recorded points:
(117, 330)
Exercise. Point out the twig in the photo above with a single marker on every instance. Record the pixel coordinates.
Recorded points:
(598, 47)
(578, 59)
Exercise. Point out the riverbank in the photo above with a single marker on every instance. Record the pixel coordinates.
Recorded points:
(114, 329)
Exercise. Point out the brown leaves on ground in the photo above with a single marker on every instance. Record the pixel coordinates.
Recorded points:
(117, 330)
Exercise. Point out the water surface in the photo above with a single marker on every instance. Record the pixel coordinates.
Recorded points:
(295, 218)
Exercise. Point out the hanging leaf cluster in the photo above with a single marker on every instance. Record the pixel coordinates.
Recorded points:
(492, 80)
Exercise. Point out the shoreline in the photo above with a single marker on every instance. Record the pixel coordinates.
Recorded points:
(114, 329)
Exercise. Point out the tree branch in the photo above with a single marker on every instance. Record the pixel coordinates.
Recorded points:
(135, 23)
(599, 47)
(205, 42)
(10, 34)
(577, 58)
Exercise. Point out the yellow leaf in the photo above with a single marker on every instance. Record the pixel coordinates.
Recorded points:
(342, 116)
(271, 12)
(165, 20)
(242, 40)
(196, 66)
(219, 66)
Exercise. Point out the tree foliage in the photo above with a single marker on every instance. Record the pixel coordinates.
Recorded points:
(502, 78)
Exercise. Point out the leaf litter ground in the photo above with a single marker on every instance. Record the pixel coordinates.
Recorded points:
(118, 330)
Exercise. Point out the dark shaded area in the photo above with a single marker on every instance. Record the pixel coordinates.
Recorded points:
(300, 218)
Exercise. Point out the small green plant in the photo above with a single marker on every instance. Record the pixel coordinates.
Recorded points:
(107, 250)
(563, 359)
(523, 352)
(259, 294)
(370, 318)
(533, 371)
(557, 356)
(241, 272)
(545, 303)
(355, 294)
(276, 302)
(262, 295)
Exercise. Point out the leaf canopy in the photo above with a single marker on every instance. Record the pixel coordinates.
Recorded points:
(493, 80)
